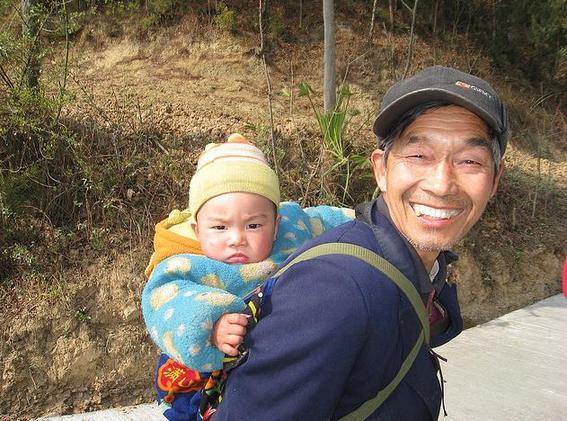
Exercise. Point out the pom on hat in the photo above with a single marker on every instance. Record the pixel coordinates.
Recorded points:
(237, 138)
(234, 166)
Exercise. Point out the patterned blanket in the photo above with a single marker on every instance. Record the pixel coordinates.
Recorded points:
(186, 293)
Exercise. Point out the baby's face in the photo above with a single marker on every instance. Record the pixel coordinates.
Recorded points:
(237, 227)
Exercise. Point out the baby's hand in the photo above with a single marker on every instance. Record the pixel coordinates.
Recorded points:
(228, 333)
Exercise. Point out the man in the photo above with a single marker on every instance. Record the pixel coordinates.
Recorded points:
(335, 331)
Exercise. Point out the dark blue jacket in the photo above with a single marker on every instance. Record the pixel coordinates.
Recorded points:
(335, 331)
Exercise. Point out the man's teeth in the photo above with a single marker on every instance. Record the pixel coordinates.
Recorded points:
(434, 212)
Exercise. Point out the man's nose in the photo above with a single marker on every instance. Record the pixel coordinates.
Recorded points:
(441, 179)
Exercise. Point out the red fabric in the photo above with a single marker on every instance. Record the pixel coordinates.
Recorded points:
(175, 377)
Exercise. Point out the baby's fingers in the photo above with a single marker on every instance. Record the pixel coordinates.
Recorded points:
(237, 319)
(230, 344)
(237, 330)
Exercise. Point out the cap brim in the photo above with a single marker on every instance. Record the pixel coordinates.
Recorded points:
(390, 115)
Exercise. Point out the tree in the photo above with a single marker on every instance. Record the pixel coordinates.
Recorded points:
(30, 31)
(329, 83)
(391, 7)
(410, 44)
(372, 20)
(260, 26)
(530, 36)
(435, 18)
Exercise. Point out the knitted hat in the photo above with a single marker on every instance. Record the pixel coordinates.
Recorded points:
(234, 166)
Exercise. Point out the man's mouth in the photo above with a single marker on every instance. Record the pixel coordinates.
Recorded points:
(435, 213)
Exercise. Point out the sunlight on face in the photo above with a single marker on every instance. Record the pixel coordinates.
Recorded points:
(237, 227)
(438, 178)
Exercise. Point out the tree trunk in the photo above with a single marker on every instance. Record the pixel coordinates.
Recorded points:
(329, 83)
(410, 45)
(391, 9)
(435, 14)
(469, 18)
(30, 28)
(372, 20)
(493, 20)
(260, 27)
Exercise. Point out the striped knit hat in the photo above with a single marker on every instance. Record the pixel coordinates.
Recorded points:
(234, 166)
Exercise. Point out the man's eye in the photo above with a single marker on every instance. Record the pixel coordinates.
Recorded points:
(471, 162)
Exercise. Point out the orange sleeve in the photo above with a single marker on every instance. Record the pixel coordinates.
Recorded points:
(167, 243)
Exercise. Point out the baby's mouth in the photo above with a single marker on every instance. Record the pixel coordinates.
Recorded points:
(238, 258)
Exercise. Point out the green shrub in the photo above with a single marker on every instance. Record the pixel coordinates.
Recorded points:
(163, 11)
(277, 26)
(225, 19)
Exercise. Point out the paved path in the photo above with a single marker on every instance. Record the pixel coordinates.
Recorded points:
(512, 368)
(147, 412)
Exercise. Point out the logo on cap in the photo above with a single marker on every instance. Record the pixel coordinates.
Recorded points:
(474, 88)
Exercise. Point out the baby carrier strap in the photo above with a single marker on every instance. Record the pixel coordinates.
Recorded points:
(403, 283)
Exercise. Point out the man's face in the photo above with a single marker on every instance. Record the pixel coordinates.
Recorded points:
(438, 178)
(237, 227)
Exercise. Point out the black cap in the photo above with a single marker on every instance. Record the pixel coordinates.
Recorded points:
(439, 83)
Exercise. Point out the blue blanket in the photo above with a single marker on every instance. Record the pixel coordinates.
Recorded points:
(186, 294)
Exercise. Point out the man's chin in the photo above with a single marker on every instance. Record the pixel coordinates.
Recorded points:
(431, 246)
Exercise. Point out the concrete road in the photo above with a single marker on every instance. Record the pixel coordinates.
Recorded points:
(147, 412)
(512, 368)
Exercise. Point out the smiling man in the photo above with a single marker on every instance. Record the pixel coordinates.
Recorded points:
(437, 174)
(334, 334)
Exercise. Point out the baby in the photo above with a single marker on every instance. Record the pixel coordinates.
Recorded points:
(208, 258)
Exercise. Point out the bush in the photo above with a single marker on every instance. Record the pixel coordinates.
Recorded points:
(163, 12)
(225, 18)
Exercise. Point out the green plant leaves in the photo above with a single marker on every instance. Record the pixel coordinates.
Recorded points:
(305, 89)
(333, 126)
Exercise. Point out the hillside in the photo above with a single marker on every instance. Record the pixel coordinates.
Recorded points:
(142, 106)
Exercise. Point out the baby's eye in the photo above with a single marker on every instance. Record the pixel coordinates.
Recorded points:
(254, 226)
(218, 227)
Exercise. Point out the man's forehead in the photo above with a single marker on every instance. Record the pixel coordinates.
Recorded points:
(448, 117)
(470, 142)
(445, 122)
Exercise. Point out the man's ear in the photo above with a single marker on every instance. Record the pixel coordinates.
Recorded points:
(379, 168)
(497, 179)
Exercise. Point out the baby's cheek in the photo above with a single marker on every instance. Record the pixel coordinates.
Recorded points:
(265, 248)
(213, 248)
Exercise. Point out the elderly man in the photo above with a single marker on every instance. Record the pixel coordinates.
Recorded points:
(335, 333)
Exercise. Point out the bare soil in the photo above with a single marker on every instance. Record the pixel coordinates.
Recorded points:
(79, 343)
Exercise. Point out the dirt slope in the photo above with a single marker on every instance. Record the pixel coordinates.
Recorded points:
(80, 343)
